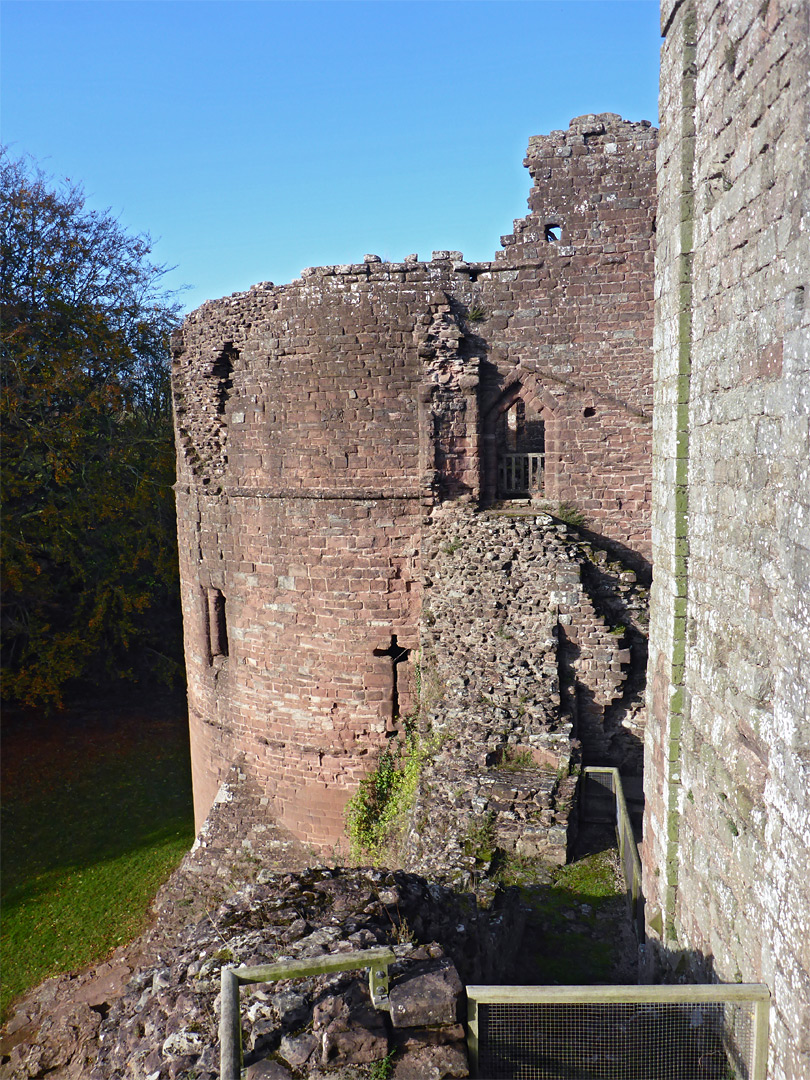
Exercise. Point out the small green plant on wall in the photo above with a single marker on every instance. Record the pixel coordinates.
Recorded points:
(515, 758)
(479, 840)
(568, 513)
(382, 1069)
(377, 813)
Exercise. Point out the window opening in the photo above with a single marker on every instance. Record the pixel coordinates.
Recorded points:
(553, 234)
(217, 624)
(398, 655)
(222, 370)
(534, 437)
(521, 456)
(589, 411)
(515, 423)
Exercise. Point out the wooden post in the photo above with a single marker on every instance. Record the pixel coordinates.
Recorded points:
(472, 1033)
(762, 1008)
(230, 1028)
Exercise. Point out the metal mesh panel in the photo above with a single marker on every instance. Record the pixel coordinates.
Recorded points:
(616, 1041)
(598, 795)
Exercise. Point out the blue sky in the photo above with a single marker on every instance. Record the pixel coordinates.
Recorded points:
(252, 139)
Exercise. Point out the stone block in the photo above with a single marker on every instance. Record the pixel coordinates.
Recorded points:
(429, 996)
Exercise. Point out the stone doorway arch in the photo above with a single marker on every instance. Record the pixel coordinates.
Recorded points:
(516, 429)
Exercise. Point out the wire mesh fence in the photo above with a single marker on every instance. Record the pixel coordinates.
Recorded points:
(618, 1032)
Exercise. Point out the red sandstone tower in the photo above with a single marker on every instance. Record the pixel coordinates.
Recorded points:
(320, 422)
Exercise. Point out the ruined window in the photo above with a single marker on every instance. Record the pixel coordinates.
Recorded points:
(222, 371)
(217, 624)
(553, 233)
(521, 450)
(534, 437)
(515, 422)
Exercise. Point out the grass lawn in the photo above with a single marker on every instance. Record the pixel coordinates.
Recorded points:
(96, 814)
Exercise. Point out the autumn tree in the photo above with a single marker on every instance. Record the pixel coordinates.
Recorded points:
(90, 589)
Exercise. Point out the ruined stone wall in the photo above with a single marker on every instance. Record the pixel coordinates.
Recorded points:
(571, 325)
(728, 738)
(302, 523)
(319, 423)
(523, 682)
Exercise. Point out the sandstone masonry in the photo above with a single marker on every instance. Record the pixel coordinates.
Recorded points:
(322, 424)
(523, 680)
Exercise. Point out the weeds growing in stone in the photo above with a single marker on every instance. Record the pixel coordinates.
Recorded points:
(568, 513)
(479, 841)
(514, 758)
(377, 813)
(382, 1069)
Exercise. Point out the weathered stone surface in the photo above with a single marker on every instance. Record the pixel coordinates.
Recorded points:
(183, 1043)
(727, 815)
(430, 1062)
(350, 1030)
(429, 995)
(164, 1025)
(267, 1070)
(320, 424)
(65, 1048)
(298, 1049)
(525, 628)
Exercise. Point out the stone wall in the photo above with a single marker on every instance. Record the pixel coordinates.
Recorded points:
(319, 424)
(570, 328)
(248, 893)
(523, 682)
(728, 814)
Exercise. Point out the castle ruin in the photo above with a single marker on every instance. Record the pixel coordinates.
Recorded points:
(322, 426)
(337, 435)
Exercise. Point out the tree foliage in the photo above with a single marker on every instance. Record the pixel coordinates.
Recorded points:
(90, 587)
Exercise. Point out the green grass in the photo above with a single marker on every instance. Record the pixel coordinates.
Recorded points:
(559, 945)
(94, 820)
(594, 876)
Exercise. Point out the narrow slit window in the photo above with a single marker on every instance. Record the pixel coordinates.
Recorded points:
(515, 424)
(398, 655)
(217, 624)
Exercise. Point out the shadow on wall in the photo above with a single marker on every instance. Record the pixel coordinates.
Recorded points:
(632, 559)
(658, 964)
(598, 728)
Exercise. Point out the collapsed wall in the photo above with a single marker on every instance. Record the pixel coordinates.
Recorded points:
(524, 681)
(320, 423)
(728, 740)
